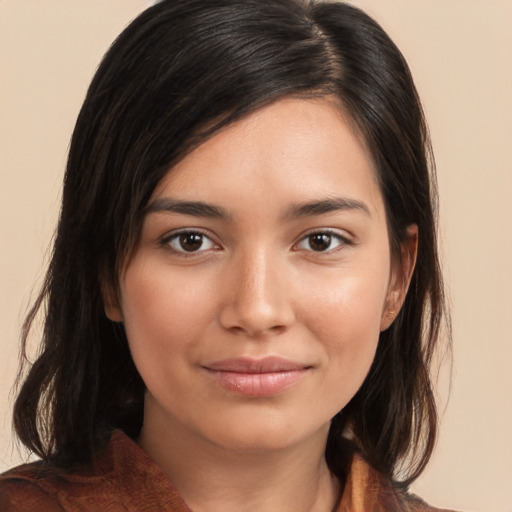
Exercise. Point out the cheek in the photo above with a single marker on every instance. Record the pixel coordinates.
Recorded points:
(163, 312)
(346, 306)
(344, 315)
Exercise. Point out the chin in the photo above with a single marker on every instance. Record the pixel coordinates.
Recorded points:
(255, 435)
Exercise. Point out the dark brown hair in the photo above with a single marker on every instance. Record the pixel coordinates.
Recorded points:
(181, 71)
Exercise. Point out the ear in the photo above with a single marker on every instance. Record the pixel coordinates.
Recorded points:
(400, 278)
(111, 303)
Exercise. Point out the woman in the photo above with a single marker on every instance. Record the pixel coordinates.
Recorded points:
(244, 296)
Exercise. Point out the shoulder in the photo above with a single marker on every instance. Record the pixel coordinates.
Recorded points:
(121, 478)
(44, 487)
(23, 489)
(367, 489)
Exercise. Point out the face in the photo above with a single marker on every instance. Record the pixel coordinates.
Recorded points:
(254, 300)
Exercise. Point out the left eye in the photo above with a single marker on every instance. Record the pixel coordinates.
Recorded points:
(324, 241)
(189, 242)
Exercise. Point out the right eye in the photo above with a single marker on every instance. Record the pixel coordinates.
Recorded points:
(189, 242)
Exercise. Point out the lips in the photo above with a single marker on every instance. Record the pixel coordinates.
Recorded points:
(256, 377)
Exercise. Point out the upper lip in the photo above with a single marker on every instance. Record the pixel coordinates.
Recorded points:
(268, 364)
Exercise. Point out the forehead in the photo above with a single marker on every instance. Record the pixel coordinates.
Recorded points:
(293, 150)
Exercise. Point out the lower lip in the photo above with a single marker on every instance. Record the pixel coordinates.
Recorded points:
(257, 384)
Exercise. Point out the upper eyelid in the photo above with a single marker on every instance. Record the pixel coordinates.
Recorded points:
(179, 231)
(342, 233)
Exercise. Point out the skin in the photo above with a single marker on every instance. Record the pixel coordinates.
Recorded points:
(251, 285)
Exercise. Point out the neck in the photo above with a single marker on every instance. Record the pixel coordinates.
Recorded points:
(212, 478)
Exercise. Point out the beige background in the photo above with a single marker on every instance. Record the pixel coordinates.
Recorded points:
(460, 52)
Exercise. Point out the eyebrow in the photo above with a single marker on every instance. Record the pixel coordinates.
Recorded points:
(195, 208)
(206, 210)
(329, 205)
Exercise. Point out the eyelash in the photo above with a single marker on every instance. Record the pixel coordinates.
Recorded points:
(168, 239)
(342, 240)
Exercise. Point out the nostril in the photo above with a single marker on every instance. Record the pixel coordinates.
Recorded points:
(278, 329)
(237, 330)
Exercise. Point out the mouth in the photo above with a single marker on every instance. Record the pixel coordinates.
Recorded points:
(257, 377)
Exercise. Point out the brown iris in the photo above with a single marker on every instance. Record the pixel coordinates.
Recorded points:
(191, 241)
(320, 241)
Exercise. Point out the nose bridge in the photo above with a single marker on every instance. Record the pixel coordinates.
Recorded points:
(260, 287)
(258, 299)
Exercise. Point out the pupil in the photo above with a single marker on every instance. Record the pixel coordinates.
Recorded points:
(320, 241)
(191, 241)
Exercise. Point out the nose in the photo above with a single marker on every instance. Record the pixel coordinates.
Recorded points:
(257, 301)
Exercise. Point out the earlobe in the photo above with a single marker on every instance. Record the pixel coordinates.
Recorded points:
(111, 304)
(401, 276)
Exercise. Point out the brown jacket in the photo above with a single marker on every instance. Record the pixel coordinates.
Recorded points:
(126, 479)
